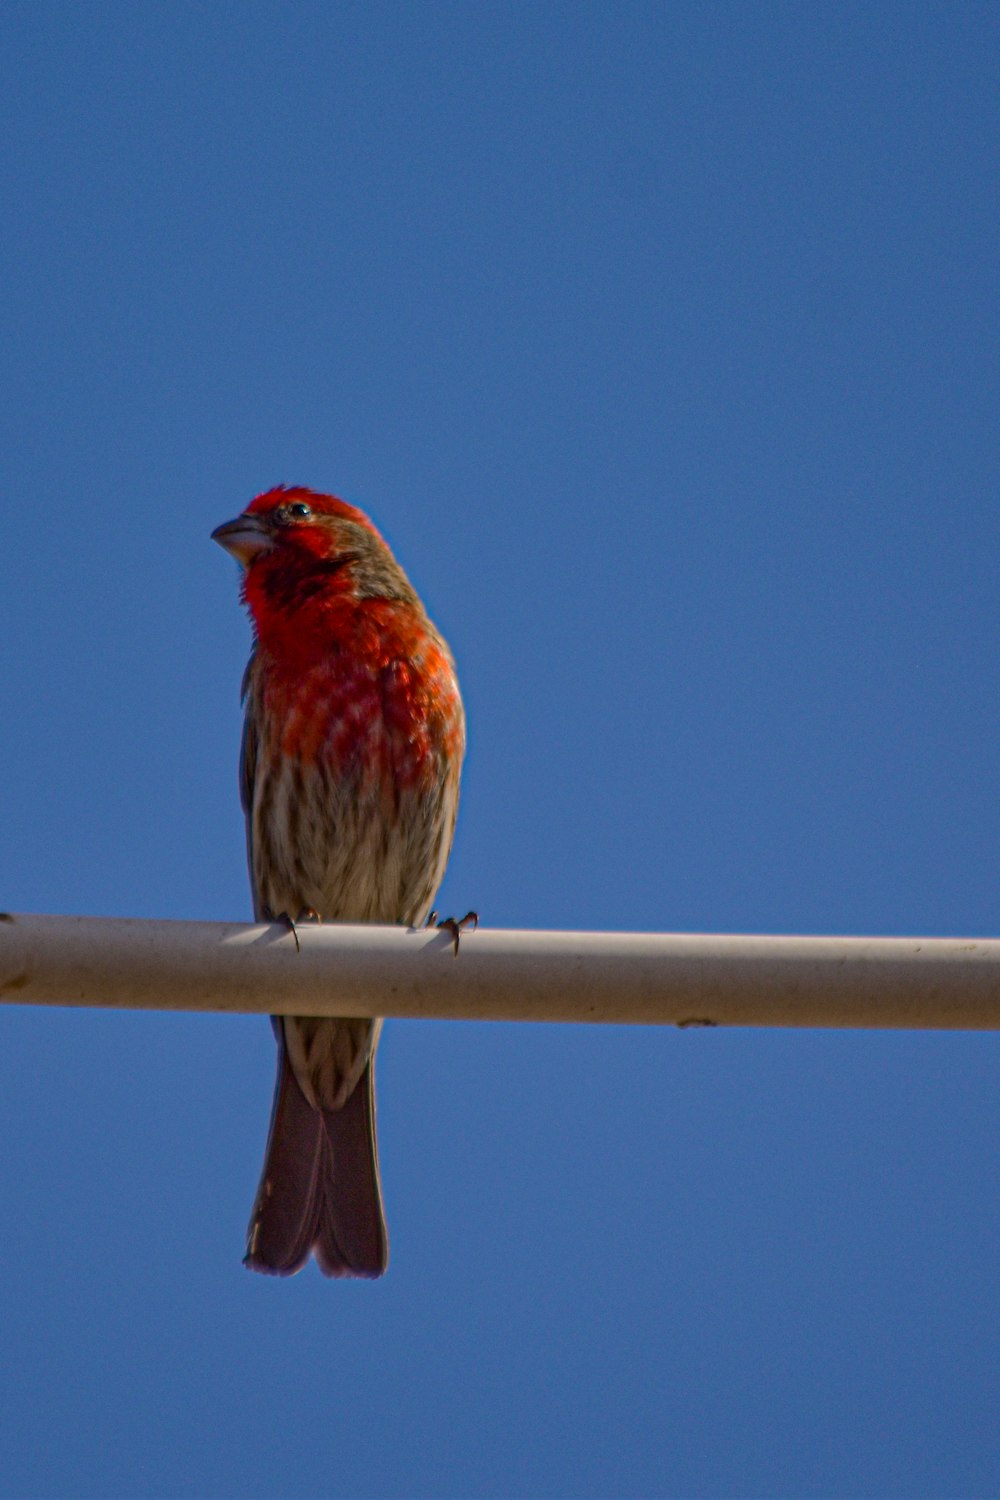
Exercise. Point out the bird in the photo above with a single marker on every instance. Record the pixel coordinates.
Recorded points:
(353, 741)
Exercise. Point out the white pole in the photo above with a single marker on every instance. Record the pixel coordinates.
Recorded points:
(638, 978)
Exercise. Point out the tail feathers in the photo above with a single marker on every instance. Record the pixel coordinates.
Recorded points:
(351, 1239)
(319, 1192)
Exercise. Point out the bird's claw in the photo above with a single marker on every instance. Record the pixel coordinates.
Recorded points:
(455, 925)
(306, 914)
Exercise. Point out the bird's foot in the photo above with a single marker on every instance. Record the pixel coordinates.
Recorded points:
(306, 914)
(454, 925)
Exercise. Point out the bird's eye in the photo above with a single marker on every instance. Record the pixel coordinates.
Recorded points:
(296, 510)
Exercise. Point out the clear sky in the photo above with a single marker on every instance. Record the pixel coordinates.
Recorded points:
(660, 340)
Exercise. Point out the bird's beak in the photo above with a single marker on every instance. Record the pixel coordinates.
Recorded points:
(245, 537)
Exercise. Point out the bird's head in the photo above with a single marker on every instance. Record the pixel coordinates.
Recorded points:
(297, 546)
(297, 523)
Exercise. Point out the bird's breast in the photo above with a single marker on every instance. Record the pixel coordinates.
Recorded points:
(356, 790)
(389, 724)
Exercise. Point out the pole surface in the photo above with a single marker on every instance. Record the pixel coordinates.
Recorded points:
(637, 978)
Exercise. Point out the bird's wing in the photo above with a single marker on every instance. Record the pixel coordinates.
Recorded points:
(248, 760)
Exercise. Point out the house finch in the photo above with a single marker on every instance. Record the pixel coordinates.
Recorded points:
(352, 750)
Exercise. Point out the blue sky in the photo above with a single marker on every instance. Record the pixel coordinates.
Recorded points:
(660, 340)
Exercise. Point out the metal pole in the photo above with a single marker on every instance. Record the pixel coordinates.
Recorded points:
(637, 978)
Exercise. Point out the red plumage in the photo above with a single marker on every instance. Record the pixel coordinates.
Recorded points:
(352, 749)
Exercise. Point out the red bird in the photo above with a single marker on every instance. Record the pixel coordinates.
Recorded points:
(352, 750)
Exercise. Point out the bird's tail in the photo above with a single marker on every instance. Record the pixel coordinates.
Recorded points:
(319, 1191)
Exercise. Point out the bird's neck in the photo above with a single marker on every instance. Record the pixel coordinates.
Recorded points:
(306, 619)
